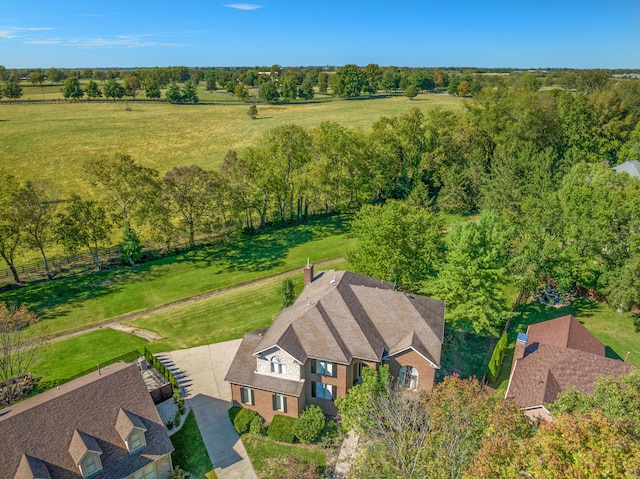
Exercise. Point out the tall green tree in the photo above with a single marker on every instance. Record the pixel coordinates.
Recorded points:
(151, 89)
(125, 186)
(92, 91)
(83, 224)
(192, 192)
(396, 242)
(72, 89)
(9, 221)
(190, 92)
(12, 90)
(289, 89)
(349, 81)
(173, 93)
(473, 275)
(37, 209)
(113, 89)
(268, 92)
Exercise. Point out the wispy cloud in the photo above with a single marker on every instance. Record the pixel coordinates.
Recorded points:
(122, 41)
(18, 32)
(44, 41)
(242, 6)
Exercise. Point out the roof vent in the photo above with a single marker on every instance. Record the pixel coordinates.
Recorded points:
(333, 281)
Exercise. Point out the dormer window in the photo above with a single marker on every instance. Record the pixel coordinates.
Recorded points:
(277, 365)
(86, 452)
(132, 430)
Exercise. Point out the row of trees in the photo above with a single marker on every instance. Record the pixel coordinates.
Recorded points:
(461, 430)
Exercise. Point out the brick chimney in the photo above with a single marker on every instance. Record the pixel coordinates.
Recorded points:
(518, 352)
(308, 273)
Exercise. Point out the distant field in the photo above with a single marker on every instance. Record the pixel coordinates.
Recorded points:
(50, 141)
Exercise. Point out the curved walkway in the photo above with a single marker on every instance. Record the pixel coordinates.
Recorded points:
(200, 371)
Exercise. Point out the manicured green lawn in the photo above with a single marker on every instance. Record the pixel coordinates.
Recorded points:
(50, 141)
(219, 318)
(191, 454)
(72, 303)
(260, 448)
(63, 359)
(615, 330)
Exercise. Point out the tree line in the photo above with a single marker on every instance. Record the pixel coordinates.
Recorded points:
(537, 164)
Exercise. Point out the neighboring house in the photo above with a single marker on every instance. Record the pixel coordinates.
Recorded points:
(632, 167)
(554, 356)
(102, 425)
(315, 349)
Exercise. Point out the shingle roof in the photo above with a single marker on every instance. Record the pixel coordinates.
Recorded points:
(565, 332)
(243, 367)
(31, 468)
(546, 370)
(341, 316)
(43, 427)
(632, 167)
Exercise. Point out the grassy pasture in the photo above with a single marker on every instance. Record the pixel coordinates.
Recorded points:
(50, 141)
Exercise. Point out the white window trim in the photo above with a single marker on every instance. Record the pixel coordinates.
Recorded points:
(280, 399)
(277, 365)
(250, 398)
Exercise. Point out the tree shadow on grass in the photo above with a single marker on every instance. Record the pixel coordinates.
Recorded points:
(465, 354)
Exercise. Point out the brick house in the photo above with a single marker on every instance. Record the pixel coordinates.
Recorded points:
(102, 425)
(554, 356)
(315, 350)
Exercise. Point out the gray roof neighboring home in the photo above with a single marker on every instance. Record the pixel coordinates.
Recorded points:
(340, 316)
(46, 435)
(632, 167)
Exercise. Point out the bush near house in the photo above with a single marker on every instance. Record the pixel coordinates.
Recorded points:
(282, 429)
(243, 419)
(310, 425)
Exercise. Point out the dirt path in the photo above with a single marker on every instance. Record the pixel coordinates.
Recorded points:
(116, 323)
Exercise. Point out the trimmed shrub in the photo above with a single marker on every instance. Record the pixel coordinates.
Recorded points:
(257, 426)
(310, 424)
(281, 428)
(233, 412)
(496, 358)
(243, 419)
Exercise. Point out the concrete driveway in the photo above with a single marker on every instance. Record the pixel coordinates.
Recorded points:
(200, 372)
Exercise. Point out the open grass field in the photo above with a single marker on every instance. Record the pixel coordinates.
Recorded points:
(615, 330)
(72, 303)
(50, 141)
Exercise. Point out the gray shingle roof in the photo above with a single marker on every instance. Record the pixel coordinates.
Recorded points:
(242, 369)
(43, 427)
(632, 167)
(341, 316)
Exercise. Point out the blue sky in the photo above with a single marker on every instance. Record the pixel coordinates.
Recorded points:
(483, 33)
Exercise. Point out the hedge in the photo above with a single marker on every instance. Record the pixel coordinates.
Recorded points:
(496, 358)
(282, 428)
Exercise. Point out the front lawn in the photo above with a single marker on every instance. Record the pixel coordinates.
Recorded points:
(191, 454)
(615, 330)
(261, 448)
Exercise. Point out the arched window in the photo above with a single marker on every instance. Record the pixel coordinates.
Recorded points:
(277, 365)
(408, 377)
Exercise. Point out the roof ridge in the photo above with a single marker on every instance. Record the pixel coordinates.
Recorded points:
(334, 332)
(360, 315)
